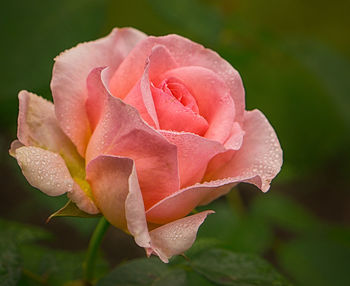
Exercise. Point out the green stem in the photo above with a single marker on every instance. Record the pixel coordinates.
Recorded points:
(95, 241)
(235, 200)
(35, 277)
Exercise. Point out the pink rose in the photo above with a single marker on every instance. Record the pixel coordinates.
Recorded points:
(144, 129)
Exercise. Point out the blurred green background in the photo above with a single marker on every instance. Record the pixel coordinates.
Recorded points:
(294, 58)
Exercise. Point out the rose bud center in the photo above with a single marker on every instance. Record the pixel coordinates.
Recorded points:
(177, 109)
(172, 86)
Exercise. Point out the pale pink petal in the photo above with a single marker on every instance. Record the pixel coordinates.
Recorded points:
(96, 97)
(38, 126)
(176, 237)
(260, 155)
(15, 144)
(134, 98)
(235, 140)
(109, 179)
(83, 202)
(194, 153)
(121, 132)
(185, 53)
(184, 201)
(135, 212)
(257, 162)
(212, 96)
(70, 72)
(44, 170)
(140, 95)
(117, 193)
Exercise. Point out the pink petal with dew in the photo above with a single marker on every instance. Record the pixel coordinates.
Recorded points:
(47, 171)
(118, 195)
(140, 95)
(257, 162)
(184, 201)
(70, 72)
(194, 153)
(109, 179)
(122, 132)
(176, 237)
(185, 53)
(38, 126)
(44, 170)
(260, 155)
(212, 96)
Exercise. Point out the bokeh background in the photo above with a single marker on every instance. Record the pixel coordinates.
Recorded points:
(294, 58)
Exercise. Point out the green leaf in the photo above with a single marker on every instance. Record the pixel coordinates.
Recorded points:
(173, 277)
(195, 279)
(22, 233)
(70, 209)
(227, 268)
(56, 267)
(10, 267)
(135, 272)
(285, 213)
(316, 260)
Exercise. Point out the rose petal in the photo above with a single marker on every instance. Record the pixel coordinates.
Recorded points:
(69, 75)
(117, 194)
(185, 53)
(141, 96)
(176, 237)
(194, 153)
(44, 170)
(212, 96)
(235, 140)
(257, 162)
(260, 154)
(83, 202)
(174, 116)
(96, 97)
(184, 201)
(15, 144)
(38, 126)
(108, 177)
(121, 132)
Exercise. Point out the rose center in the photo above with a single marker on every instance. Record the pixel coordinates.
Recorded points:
(178, 90)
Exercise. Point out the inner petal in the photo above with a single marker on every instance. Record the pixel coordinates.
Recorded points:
(176, 108)
(176, 88)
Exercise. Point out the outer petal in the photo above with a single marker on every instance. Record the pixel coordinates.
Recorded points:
(260, 155)
(121, 132)
(44, 170)
(212, 96)
(69, 76)
(258, 161)
(47, 171)
(176, 237)
(185, 53)
(38, 126)
(118, 195)
(109, 180)
(79, 197)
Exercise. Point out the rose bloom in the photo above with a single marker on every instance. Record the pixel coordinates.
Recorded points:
(143, 129)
